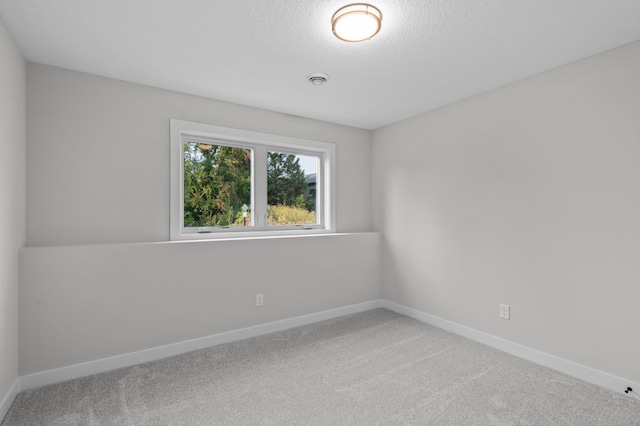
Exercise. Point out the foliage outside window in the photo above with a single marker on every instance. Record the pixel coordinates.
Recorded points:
(217, 183)
(289, 194)
(230, 182)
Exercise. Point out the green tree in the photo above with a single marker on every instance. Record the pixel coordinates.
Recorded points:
(285, 182)
(217, 182)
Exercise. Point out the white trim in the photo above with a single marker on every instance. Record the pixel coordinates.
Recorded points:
(259, 143)
(260, 188)
(9, 398)
(119, 361)
(571, 368)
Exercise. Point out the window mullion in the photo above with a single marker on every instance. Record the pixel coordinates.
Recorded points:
(259, 181)
(320, 214)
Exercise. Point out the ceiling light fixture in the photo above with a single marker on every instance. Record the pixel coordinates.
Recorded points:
(356, 22)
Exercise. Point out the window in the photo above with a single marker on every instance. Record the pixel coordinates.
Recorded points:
(229, 182)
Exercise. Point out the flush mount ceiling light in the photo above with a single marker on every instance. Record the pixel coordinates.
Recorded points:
(356, 22)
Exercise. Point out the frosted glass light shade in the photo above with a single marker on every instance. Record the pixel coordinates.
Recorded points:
(356, 22)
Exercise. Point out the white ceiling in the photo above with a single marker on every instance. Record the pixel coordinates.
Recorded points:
(259, 52)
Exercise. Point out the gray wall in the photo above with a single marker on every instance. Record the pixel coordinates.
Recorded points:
(527, 195)
(12, 202)
(98, 181)
(84, 303)
(98, 155)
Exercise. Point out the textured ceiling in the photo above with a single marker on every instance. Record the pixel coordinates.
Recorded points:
(258, 52)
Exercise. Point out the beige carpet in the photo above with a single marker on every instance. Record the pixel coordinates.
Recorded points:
(373, 368)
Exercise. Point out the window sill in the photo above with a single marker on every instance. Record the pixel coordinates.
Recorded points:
(262, 236)
(252, 235)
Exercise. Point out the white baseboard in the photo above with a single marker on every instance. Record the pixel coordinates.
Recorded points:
(106, 364)
(579, 371)
(8, 399)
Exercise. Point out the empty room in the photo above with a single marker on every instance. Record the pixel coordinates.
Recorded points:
(297, 212)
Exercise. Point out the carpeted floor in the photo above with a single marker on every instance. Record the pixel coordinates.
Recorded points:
(372, 368)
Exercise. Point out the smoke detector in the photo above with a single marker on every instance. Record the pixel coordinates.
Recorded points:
(317, 78)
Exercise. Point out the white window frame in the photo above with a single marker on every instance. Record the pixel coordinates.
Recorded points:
(260, 143)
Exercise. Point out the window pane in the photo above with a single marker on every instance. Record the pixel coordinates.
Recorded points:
(291, 189)
(217, 185)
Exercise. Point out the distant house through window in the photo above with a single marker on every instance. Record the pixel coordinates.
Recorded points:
(310, 181)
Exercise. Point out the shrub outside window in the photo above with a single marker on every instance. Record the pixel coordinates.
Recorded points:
(229, 182)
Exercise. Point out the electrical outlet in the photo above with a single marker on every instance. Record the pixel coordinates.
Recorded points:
(259, 300)
(505, 312)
